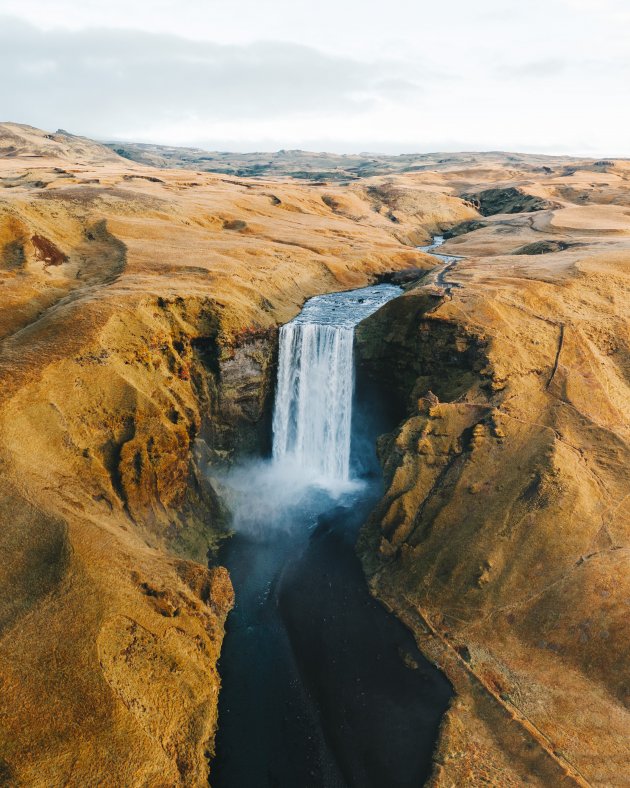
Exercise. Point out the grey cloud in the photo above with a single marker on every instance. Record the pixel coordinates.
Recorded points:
(100, 80)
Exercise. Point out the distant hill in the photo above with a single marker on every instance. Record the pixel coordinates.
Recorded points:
(20, 140)
(311, 166)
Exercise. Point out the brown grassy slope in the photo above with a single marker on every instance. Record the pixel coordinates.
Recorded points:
(123, 292)
(503, 536)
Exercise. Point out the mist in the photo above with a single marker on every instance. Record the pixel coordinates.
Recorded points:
(266, 495)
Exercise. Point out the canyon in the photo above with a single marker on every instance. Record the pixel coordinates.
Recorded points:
(139, 316)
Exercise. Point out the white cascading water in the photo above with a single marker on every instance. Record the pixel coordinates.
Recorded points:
(313, 408)
(314, 398)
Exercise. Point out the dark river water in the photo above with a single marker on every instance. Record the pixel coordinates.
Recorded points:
(316, 685)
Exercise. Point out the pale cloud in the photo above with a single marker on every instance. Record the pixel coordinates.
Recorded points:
(100, 80)
(549, 75)
(538, 69)
(606, 7)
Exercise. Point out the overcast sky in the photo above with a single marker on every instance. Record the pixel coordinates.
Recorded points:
(342, 75)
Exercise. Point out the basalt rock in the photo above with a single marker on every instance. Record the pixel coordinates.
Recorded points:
(543, 247)
(508, 200)
(463, 228)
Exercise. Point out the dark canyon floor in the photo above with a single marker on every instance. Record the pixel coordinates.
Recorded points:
(139, 309)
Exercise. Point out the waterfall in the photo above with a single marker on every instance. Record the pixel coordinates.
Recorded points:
(314, 398)
(313, 409)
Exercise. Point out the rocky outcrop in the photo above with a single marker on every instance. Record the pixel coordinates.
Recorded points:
(463, 228)
(543, 247)
(507, 200)
(240, 424)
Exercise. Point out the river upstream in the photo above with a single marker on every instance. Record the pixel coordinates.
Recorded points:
(321, 687)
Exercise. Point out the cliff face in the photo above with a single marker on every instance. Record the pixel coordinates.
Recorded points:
(502, 538)
(138, 315)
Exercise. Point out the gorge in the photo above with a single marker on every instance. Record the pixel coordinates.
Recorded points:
(140, 315)
(319, 684)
